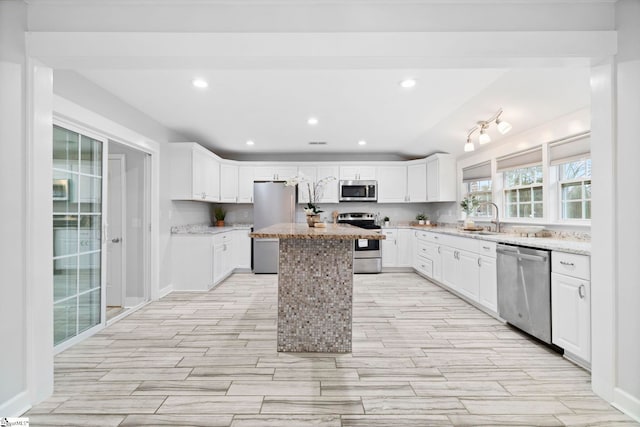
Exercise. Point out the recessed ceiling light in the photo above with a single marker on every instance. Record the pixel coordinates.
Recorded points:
(407, 83)
(312, 121)
(200, 83)
(362, 142)
(250, 142)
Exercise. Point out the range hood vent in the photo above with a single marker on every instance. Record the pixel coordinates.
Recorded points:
(317, 142)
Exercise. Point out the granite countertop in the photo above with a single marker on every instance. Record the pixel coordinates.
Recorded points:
(303, 231)
(207, 229)
(563, 245)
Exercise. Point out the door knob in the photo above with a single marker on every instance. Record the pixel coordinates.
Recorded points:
(116, 240)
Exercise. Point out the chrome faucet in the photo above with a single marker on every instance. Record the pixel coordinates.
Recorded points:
(495, 221)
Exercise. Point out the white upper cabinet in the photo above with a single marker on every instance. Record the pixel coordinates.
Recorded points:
(195, 173)
(274, 172)
(392, 184)
(357, 172)
(441, 178)
(315, 174)
(417, 181)
(245, 184)
(228, 183)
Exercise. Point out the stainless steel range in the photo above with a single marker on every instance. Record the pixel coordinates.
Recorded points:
(367, 257)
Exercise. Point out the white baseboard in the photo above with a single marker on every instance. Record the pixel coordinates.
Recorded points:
(165, 291)
(16, 406)
(627, 403)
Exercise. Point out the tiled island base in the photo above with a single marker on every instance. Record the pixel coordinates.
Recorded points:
(315, 295)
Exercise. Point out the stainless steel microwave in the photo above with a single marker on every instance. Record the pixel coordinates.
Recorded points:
(358, 191)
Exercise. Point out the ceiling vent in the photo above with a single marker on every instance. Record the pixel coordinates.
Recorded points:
(317, 142)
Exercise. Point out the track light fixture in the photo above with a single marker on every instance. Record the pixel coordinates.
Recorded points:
(483, 126)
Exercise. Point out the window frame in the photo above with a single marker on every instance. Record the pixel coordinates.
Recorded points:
(505, 204)
(559, 183)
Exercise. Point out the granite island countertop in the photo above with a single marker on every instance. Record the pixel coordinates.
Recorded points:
(207, 229)
(303, 231)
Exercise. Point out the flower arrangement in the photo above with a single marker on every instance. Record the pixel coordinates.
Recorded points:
(315, 190)
(469, 204)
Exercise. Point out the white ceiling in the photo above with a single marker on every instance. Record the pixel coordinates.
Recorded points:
(271, 107)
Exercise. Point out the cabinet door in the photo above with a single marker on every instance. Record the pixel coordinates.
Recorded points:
(468, 271)
(227, 265)
(392, 184)
(405, 247)
(228, 183)
(218, 262)
(264, 173)
(200, 174)
(309, 172)
(449, 267)
(488, 292)
(417, 183)
(358, 172)
(437, 262)
(389, 248)
(330, 193)
(242, 249)
(212, 179)
(571, 315)
(245, 184)
(441, 178)
(282, 173)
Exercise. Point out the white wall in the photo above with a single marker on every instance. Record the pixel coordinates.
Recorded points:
(627, 178)
(13, 367)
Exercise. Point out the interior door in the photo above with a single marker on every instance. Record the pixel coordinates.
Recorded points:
(115, 238)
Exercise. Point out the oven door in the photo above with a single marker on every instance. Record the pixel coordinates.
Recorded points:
(365, 248)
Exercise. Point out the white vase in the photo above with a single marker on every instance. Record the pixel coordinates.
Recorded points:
(421, 221)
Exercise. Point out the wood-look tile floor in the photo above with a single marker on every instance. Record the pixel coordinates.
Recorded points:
(421, 357)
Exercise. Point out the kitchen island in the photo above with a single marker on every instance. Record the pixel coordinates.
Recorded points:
(315, 285)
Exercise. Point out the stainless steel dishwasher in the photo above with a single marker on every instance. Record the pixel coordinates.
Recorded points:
(524, 289)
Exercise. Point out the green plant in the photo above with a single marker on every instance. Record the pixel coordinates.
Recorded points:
(470, 204)
(386, 219)
(421, 217)
(219, 213)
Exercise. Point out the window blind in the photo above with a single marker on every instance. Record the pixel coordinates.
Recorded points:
(477, 172)
(521, 159)
(577, 147)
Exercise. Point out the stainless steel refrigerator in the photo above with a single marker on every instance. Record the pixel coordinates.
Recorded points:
(273, 203)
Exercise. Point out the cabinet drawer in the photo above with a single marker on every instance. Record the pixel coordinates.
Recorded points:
(487, 248)
(222, 238)
(572, 265)
(423, 250)
(425, 266)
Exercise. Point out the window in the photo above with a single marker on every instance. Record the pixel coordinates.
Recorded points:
(482, 190)
(477, 182)
(575, 189)
(523, 192)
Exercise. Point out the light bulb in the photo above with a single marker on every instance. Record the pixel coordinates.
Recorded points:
(468, 146)
(503, 127)
(362, 142)
(312, 121)
(250, 142)
(407, 83)
(484, 137)
(200, 83)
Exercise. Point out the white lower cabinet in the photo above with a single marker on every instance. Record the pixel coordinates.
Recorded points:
(488, 282)
(201, 261)
(467, 266)
(242, 249)
(404, 245)
(571, 305)
(389, 248)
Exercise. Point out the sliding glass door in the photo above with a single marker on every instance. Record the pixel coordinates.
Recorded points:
(77, 233)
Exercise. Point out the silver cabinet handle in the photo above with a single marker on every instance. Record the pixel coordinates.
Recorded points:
(486, 248)
(479, 265)
(435, 237)
(438, 249)
(568, 264)
(116, 240)
(582, 291)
